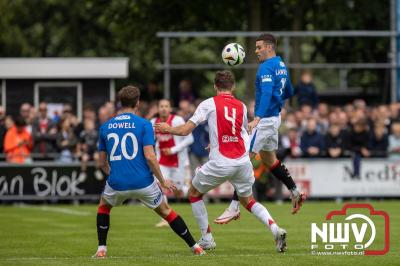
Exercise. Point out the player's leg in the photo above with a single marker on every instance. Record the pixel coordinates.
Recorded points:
(166, 171)
(178, 225)
(152, 197)
(243, 181)
(280, 171)
(233, 211)
(262, 214)
(109, 198)
(205, 179)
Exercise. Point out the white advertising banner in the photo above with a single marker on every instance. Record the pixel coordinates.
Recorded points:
(335, 178)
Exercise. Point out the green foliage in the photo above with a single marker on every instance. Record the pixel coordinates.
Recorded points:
(56, 28)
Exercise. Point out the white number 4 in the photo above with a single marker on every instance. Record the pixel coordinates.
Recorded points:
(231, 119)
(114, 136)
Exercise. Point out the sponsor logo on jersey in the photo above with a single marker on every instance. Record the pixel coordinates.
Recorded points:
(122, 117)
(266, 78)
(226, 139)
(163, 137)
(281, 64)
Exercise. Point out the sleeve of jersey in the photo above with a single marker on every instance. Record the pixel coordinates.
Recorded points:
(266, 85)
(148, 134)
(200, 115)
(289, 91)
(184, 141)
(102, 141)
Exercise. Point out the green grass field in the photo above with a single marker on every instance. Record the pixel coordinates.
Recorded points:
(66, 235)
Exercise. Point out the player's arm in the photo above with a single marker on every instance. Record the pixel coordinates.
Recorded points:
(152, 161)
(103, 162)
(184, 141)
(266, 84)
(182, 130)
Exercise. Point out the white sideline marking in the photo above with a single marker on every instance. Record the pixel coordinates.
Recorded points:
(58, 210)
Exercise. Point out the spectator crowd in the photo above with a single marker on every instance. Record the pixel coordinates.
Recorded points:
(311, 130)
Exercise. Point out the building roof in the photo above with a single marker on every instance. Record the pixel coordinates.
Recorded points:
(63, 67)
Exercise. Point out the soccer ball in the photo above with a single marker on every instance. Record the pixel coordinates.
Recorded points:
(233, 54)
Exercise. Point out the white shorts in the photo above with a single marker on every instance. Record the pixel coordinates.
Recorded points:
(265, 136)
(150, 196)
(175, 174)
(210, 175)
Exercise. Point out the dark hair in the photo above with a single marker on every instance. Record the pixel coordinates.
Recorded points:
(20, 121)
(129, 96)
(224, 80)
(268, 39)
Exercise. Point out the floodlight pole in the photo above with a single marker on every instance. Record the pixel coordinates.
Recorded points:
(167, 70)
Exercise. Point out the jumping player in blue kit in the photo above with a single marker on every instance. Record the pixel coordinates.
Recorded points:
(273, 87)
(126, 145)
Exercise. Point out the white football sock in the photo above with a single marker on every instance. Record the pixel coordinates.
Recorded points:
(200, 213)
(263, 215)
(234, 206)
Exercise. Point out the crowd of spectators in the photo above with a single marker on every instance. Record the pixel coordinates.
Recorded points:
(310, 130)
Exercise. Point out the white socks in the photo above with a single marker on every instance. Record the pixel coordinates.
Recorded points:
(263, 215)
(200, 213)
(234, 206)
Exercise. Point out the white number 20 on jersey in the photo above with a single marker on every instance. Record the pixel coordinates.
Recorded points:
(127, 156)
(231, 119)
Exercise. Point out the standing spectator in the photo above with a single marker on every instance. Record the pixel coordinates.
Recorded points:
(87, 146)
(305, 91)
(323, 118)
(394, 142)
(103, 115)
(152, 92)
(25, 111)
(44, 134)
(185, 109)
(66, 140)
(335, 142)
(312, 143)
(18, 143)
(358, 143)
(88, 113)
(186, 92)
(379, 141)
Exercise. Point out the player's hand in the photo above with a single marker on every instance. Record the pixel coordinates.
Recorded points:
(162, 127)
(207, 148)
(168, 184)
(252, 125)
(166, 151)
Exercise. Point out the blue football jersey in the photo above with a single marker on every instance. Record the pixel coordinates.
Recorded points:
(273, 87)
(123, 138)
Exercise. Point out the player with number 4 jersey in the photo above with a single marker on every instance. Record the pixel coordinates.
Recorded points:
(228, 159)
(126, 145)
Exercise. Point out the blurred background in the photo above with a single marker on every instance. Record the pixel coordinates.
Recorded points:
(62, 63)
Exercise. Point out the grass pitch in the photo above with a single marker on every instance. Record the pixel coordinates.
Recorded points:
(66, 235)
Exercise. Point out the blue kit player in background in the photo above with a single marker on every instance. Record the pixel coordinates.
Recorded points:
(126, 145)
(273, 87)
